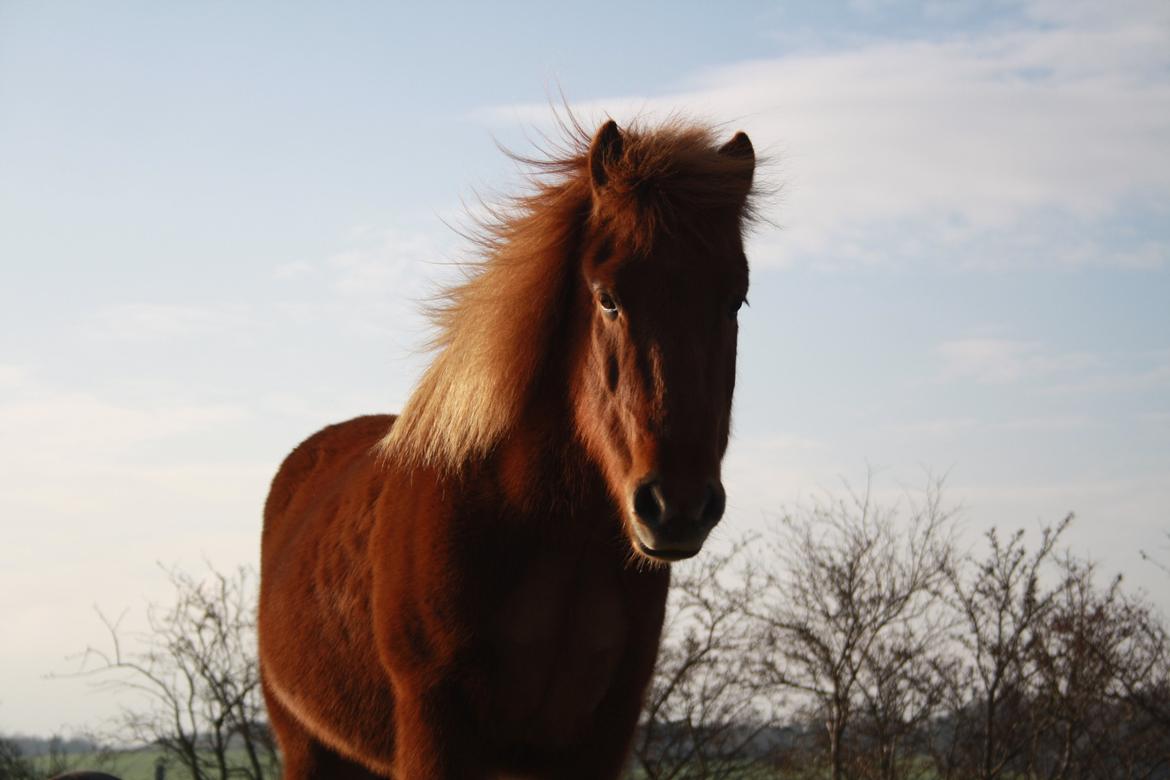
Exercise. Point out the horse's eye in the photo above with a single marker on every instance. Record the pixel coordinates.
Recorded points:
(736, 303)
(608, 304)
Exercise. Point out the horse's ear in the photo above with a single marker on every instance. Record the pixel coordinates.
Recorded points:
(604, 152)
(740, 148)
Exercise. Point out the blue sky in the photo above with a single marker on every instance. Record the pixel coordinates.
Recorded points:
(216, 221)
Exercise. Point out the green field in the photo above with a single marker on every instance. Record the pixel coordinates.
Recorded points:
(134, 764)
(140, 764)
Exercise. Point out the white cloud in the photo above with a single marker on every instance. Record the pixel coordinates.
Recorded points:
(386, 263)
(12, 376)
(65, 450)
(936, 427)
(155, 322)
(1095, 15)
(1001, 361)
(78, 420)
(1152, 372)
(764, 473)
(1155, 418)
(295, 270)
(923, 148)
(955, 426)
(1006, 361)
(376, 287)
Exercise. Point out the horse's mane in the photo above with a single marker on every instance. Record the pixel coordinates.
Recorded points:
(493, 331)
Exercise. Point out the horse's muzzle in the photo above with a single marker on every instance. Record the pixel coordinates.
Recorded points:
(674, 529)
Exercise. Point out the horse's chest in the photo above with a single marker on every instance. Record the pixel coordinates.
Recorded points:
(559, 636)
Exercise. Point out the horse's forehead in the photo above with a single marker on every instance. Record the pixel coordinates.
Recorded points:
(698, 268)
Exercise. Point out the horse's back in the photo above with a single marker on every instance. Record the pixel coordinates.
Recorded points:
(315, 586)
(320, 509)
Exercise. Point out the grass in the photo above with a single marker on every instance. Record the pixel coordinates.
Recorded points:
(136, 764)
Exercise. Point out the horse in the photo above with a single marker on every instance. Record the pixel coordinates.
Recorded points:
(476, 587)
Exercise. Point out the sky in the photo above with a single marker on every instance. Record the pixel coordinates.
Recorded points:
(217, 221)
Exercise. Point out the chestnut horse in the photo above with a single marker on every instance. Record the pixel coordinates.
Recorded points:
(476, 588)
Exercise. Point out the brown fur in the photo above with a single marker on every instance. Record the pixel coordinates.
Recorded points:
(472, 595)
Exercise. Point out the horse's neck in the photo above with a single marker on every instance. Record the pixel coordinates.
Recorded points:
(540, 466)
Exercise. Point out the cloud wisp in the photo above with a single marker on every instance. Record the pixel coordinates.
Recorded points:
(1006, 361)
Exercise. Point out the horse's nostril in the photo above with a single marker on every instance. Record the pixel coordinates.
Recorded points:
(715, 503)
(648, 502)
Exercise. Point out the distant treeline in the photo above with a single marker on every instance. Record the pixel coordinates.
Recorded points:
(44, 746)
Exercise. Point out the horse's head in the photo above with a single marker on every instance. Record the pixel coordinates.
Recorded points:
(663, 277)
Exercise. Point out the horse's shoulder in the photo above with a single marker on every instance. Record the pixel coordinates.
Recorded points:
(328, 447)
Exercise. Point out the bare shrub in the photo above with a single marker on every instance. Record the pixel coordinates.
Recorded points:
(197, 666)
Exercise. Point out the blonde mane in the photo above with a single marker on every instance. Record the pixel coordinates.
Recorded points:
(493, 331)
